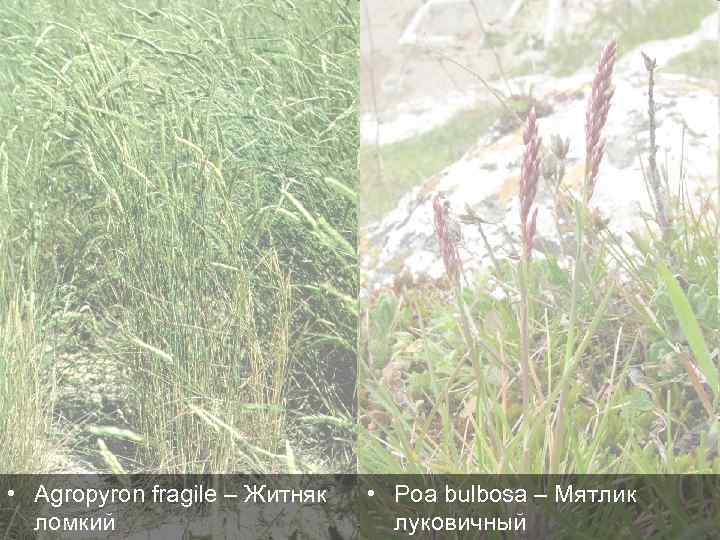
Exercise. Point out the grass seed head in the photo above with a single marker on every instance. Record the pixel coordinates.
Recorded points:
(596, 115)
(559, 146)
(529, 175)
(447, 232)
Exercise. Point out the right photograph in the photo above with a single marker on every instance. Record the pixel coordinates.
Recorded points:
(539, 237)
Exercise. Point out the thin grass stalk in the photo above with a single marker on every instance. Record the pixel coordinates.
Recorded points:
(692, 372)
(471, 336)
(529, 176)
(554, 172)
(558, 439)
(281, 353)
(448, 234)
(654, 176)
(596, 115)
(524, 338)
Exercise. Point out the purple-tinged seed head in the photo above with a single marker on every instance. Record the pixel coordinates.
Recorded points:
(529, 176)
(596, 115)
(447, 239)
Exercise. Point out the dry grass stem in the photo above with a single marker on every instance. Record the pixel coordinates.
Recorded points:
(654, 173)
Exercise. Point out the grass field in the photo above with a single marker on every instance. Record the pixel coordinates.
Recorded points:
(178, 213)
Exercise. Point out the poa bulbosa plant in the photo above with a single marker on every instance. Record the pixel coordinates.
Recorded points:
(597, 110)
(529, 176)
(597, 357)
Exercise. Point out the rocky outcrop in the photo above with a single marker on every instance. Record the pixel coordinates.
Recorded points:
(485, 180)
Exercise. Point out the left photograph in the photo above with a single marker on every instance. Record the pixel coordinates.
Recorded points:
(178, 236)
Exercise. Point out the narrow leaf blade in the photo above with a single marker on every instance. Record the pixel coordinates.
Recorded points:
(690, 328)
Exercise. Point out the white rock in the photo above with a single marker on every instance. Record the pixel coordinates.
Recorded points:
(486, 178)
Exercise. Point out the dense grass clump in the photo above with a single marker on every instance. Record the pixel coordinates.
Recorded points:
(178, 188)
(640, 393)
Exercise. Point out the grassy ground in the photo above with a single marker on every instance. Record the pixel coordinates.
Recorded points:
(630, 405)
(622, 346)
(631, 402)
(698, 62)
(178, 228)
(388, 172)
(631, 25)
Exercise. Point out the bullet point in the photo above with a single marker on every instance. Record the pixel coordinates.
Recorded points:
(371, 492)
(11, 493)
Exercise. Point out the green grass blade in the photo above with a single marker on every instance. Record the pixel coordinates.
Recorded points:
(690, 327)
